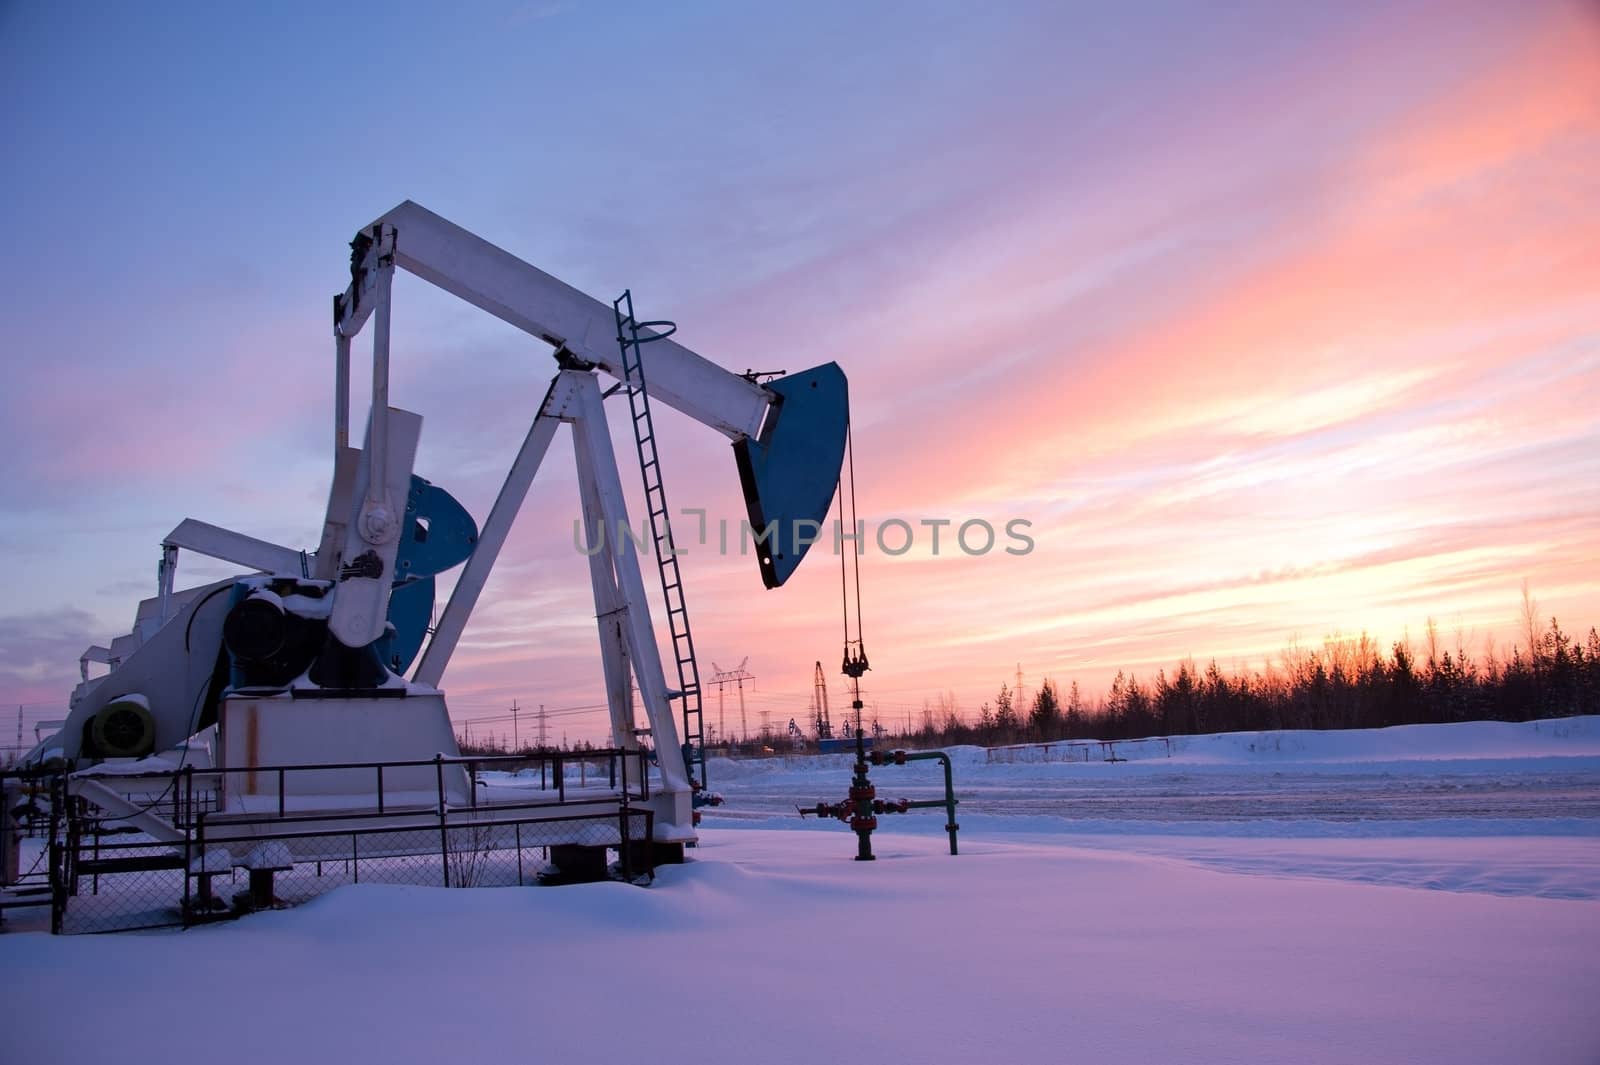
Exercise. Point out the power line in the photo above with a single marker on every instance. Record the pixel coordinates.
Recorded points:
(563, 711)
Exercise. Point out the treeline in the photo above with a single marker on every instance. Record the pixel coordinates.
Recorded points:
(1347, 683)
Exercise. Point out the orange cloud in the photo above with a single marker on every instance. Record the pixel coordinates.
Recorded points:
(1364, 390)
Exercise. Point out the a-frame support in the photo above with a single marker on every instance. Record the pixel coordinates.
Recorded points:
(627, 637)
(609, 609)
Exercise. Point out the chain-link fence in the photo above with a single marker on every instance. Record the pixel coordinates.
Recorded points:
(203, 863)
(116, 883)
(111, 883)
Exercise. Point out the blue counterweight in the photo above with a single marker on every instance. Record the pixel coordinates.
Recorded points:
(790, 472)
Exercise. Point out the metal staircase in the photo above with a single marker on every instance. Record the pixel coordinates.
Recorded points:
(631, 340)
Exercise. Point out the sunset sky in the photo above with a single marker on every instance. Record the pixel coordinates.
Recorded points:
(1277, 321)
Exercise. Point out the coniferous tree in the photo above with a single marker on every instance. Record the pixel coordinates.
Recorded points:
(985, 725)
(1075, 713)
(1348, 683)
(1005, 715)
(1045, 716)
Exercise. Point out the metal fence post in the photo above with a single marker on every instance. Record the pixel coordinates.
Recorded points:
(188, 867)
(444, 830)
(58, 886)
(69, 854)
(624, 825)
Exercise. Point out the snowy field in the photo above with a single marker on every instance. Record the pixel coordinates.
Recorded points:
(1510, 809)
(1428, 894)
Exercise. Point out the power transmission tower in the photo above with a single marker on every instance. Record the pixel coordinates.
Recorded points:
(738, 676)
(543, 721)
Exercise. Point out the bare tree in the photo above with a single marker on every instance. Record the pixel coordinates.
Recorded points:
(1530, 623)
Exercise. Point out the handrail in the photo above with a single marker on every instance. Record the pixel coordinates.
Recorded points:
(448, 759)
(216, 835)
(185, 814)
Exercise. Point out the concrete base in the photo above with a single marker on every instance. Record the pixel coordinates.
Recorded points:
(667, 853)
(674, 812)
(577, 864)
(643, 854)
(261, 896)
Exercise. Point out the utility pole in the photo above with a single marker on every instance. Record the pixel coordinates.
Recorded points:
(516, 734)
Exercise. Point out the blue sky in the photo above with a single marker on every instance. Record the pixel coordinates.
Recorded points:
(1278, 322)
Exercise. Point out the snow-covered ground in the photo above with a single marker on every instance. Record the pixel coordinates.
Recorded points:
(1510, 809)
(1249, 899)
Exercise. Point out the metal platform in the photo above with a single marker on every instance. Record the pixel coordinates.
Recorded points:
(151, 849)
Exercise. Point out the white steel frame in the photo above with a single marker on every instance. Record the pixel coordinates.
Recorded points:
(583, 331)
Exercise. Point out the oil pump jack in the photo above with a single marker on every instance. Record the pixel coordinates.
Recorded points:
(327, 655)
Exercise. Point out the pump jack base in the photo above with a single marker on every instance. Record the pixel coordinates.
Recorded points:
(666, 853)
(572, 863)
(647, 854)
